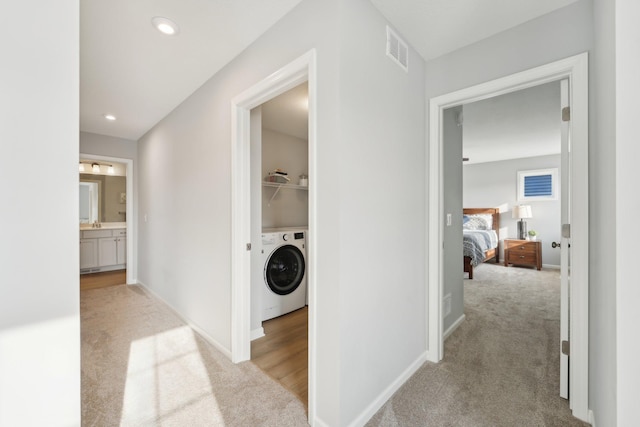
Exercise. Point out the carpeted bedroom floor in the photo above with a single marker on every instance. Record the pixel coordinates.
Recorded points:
(501, 366)
(142, 366)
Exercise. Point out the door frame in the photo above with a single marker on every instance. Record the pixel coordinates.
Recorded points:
(132, 256)
(302, 69)
(575, 69)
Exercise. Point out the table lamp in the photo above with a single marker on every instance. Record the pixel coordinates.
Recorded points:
(521, 212)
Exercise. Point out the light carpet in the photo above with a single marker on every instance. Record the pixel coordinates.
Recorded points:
(142, 366)
(500, 367)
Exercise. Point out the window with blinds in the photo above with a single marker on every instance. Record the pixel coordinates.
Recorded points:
(538, 185)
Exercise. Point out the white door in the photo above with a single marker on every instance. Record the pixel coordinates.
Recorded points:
(565, 217)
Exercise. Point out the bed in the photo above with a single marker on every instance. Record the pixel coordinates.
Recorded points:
(480, 237)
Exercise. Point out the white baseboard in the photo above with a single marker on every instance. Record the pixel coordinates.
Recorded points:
(191, 324)
(551, 266)
(257, 333)
(371, 410)
(319, 423)
(592, 418)
(453, 327)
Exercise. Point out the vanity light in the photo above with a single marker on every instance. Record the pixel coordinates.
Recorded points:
(110, 170)
(165, 26)
(81, 167)
(110, 117)
(95, 168)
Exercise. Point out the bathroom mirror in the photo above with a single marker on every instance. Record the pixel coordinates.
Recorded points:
(103, 198)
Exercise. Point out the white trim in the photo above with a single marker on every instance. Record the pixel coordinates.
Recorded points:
(186, 320)
(132, 235)
(257, 333)
(386, 394)
(574, 68)
(551, 266)
(319, 423)
(592, 418)
(453, 327)
(302, 69)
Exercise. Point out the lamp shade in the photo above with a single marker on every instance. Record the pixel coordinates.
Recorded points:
(521, 212)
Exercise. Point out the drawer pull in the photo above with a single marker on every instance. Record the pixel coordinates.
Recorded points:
(521, 256)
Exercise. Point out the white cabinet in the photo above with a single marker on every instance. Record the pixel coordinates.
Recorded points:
(121, 250)
(107, 251)
(103, 250)
(88, 253)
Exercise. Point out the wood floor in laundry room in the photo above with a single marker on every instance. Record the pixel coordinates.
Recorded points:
(283, 352)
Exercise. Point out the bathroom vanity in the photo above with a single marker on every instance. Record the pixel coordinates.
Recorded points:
(103, 248)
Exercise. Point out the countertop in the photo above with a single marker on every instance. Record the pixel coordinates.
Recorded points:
(104, 226)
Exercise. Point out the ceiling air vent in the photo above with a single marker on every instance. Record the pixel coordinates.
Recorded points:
(397, 49)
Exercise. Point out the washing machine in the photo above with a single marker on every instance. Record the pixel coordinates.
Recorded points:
(284, 274)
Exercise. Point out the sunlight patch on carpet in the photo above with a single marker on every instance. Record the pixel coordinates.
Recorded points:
(167, 382)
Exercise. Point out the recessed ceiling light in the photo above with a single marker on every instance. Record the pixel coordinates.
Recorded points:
(110, 117)
(165, 26)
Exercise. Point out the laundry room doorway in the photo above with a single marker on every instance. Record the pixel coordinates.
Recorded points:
(279, 228)
(286, 223)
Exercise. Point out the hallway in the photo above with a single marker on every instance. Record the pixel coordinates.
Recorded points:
(142, 365)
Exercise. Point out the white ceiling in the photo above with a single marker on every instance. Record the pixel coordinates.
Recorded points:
(516, 125)
(288, 113)
(130, 70)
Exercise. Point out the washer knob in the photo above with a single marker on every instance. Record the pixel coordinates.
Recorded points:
(285, 237)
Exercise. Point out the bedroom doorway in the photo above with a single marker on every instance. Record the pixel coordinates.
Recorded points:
(509, 140)
(575, 70)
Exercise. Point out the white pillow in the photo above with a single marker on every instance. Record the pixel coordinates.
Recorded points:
(479, 222)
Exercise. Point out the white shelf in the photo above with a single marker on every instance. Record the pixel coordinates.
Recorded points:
(279, 185)
(283, 185)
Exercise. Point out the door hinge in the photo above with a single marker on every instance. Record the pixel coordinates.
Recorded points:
(248, 246)
(566, 114)
(565, 348)
(566, 231)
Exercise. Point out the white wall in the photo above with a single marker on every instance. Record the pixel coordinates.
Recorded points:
(370, 298)
(103, 145)
(628, 204)
(494, 184)
(382, 209)
(185, 190)
(289, 208)
(39, 295)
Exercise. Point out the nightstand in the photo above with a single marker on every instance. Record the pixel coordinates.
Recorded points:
(523, 252)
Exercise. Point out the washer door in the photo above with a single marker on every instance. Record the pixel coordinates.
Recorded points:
(284, 270)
